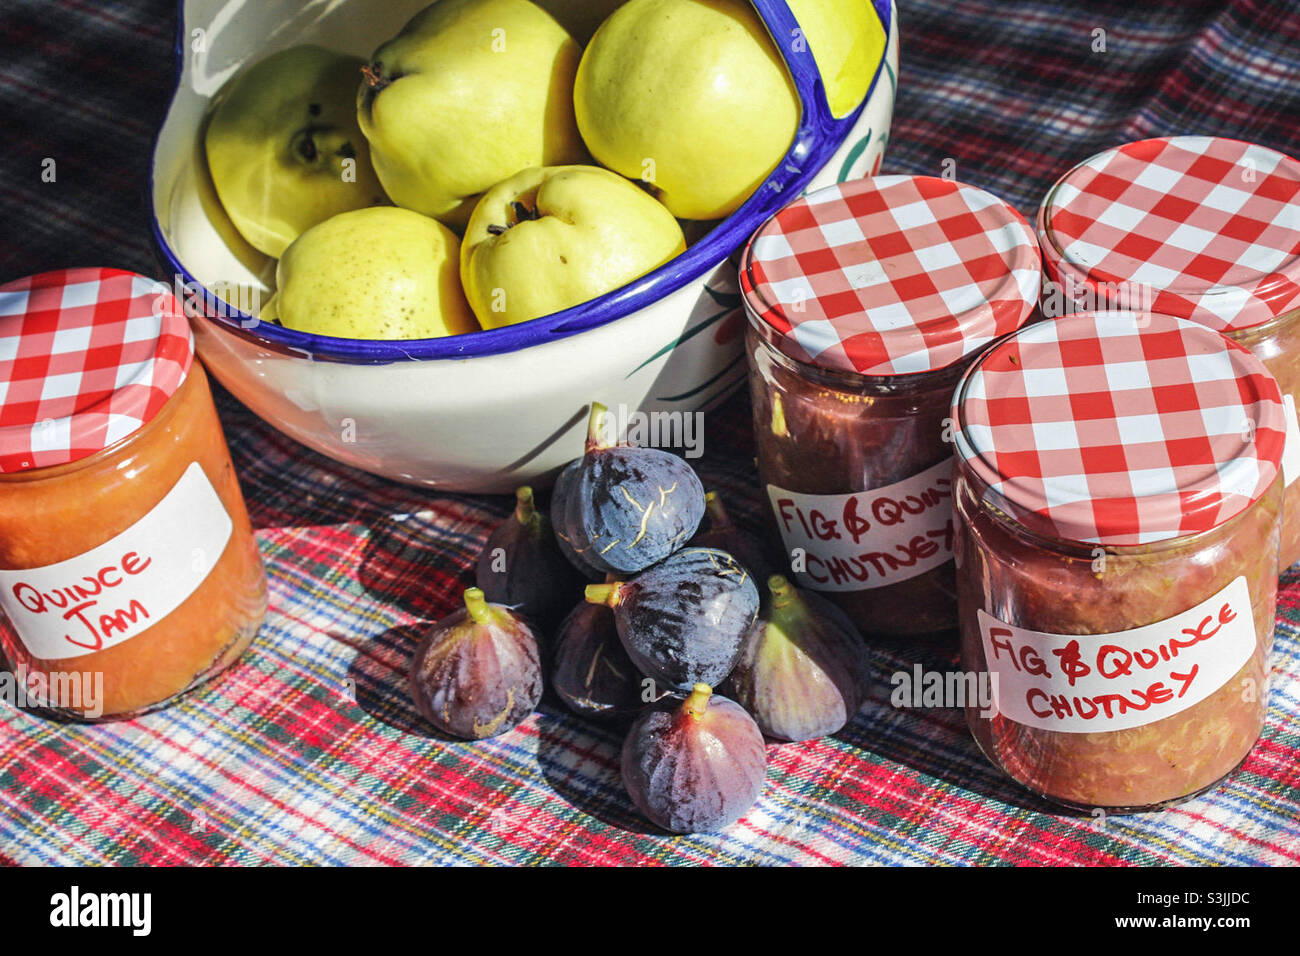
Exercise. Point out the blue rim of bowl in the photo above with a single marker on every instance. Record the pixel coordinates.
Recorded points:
(818, 137)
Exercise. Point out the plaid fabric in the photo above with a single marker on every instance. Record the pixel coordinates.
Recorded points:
(1122, 427)
(309, 752)
(1211, 225)
(893, 275)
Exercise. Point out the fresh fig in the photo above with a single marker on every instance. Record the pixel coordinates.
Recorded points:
(477, 672)
(725, 536)
(694, 766)
(626, 508)
(803, 671)
(567, 537)
(592, 673)
(683, 621)
(521, 567)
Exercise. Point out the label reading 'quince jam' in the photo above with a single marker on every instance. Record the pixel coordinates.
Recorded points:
(1104, 682)
(110, 594)
(870, 539)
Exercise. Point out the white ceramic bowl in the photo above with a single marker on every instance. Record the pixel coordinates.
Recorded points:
(489, 411)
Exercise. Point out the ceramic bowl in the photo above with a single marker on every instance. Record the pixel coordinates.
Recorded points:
(488, 411)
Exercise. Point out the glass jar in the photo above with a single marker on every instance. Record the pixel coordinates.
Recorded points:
(129, 573)
(1276, 343)
(865, 302)
(821, 434)
(1197, 227)
(1123, 616)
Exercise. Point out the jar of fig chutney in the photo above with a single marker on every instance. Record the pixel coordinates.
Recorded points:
(1197, 227)
(128, 569)
(866, 301)
(1118, 495)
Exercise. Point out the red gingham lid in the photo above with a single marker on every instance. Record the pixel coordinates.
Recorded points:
(1208, 228)
(890, 275)
(1120, 428)
(87, 356)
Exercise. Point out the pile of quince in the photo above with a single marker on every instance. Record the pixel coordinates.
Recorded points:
(483, 168)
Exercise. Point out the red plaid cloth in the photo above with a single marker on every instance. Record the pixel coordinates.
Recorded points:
(309, 750)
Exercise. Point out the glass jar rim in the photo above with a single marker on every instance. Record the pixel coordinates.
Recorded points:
(848, 380)
(62, 469)
(1042, 535)
(1267, 327)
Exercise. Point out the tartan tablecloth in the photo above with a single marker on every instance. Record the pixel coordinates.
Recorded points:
(308, 751)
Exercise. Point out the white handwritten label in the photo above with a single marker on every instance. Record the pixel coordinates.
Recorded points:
(870, 539)
(112, 593)
(1103, 682)
(1291, 451)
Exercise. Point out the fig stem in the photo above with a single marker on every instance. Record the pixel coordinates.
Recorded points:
(525, 509)
(607, 594)
(476, 604)
(698, 702)
(783, 594)
(596, 427)
(718, 517)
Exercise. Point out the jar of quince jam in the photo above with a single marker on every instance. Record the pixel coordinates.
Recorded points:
(1118, 493)
(1195, 227)
(128, 569)
(866, 301)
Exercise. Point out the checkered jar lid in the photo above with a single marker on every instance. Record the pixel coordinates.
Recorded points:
(87, 357)
(1120, 428)
(891, 275)
(1192, 226)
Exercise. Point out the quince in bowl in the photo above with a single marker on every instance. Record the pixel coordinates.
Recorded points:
(430, 393)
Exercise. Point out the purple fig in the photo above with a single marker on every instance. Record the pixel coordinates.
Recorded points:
(625, 508)
(477, 672)
(567, 535)
(803, 670)
(521, 567)
(683, 621)
(725, 536)
(694, 766)
(592, 673)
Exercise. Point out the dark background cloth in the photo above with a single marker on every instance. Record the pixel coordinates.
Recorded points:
(1012, 91)
(1006, 95)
